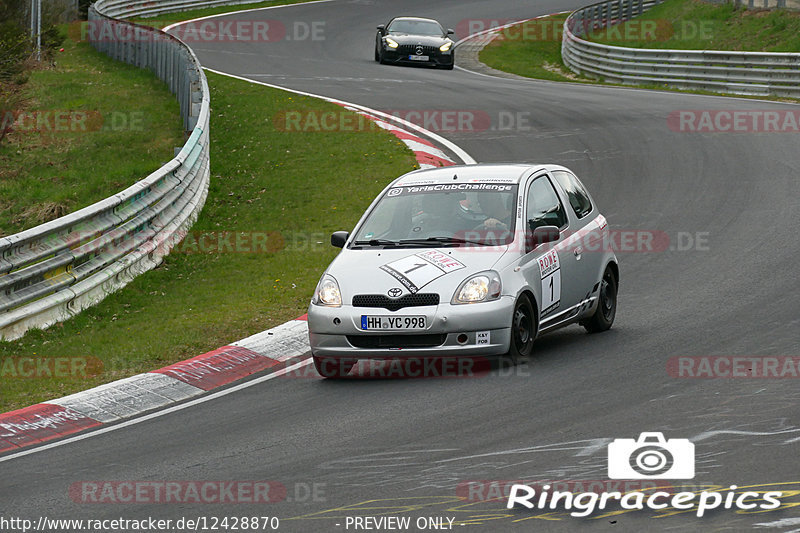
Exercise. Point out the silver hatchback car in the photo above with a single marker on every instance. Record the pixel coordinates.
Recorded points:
(464, 260)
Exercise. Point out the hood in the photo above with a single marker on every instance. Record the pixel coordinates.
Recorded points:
(440, 270)
(424, 40)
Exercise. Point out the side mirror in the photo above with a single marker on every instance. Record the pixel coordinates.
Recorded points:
(542, 235)
(339, 238)
(450, 31)
(545, 234)
(382, 28)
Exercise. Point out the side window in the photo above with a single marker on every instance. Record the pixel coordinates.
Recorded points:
(578, 197)
(544, 207)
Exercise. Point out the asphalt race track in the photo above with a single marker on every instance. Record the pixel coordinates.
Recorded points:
(724, 286)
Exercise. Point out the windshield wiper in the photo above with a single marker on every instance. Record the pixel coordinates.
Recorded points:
(442, 240)
(377, 242)
(418, 242)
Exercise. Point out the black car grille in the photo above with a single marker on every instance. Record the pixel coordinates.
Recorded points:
(411, 49)
(397, 341)
(393, 304)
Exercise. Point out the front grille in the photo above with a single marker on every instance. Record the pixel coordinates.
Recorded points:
(397, 341)
(393, 304)
(411, 49)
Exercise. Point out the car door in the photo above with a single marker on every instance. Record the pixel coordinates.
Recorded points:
(585, 247)
(547, 266)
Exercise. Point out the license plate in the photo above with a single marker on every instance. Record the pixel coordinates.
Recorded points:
(391, 323)
(418, 58)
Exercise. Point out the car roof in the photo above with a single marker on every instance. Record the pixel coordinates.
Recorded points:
(485, 172)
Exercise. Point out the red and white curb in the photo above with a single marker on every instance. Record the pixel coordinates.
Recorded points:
(130, 397)
(421, 141)
(427, 155)
(490, 34)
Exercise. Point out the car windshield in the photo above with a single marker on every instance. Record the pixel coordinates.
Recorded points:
(442, 214)
(416, 27)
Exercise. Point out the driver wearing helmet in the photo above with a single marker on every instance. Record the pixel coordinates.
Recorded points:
(438, 213)
(498, 216)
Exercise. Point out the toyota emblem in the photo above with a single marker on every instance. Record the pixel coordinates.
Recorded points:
(394, 292)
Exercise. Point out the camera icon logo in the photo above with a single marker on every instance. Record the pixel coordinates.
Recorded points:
(651, 457)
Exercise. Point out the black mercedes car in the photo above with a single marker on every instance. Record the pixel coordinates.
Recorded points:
(414, 40)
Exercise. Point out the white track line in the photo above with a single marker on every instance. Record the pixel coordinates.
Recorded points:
(460, 153)
(167, 28)
(463, 155)
(169, 410)
(497, 29)
(599, 86)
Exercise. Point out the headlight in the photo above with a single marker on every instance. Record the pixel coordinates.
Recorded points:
(327, 292)
(446, 46)
(482, 287)
(391, 43)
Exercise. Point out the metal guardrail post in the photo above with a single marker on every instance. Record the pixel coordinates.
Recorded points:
(195, 97)
(55, 270)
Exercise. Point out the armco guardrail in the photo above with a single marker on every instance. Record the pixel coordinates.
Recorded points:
(50, 272)
(149, 8)
(751, 73)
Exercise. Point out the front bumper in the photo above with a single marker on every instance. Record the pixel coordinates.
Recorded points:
(437, 59)
(445, 323)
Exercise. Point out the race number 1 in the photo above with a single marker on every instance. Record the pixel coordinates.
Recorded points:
(550, 270)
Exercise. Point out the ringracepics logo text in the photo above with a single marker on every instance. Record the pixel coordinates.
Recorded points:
(650, 457)
(585, 503)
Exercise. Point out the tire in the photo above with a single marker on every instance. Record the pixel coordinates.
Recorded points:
(379, 52)
(523, 330)
(603, 316)
(333, 368)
